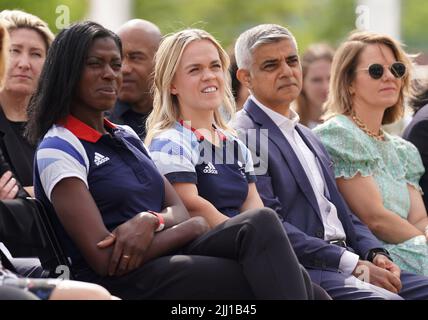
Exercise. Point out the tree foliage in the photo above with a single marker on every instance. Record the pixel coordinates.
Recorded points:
(414, 24)
(309, 20)
(46, 9)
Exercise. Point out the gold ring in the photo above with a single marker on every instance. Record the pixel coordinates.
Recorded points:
(125, 256)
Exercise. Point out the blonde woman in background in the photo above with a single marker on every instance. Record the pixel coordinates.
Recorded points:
(316, 67)
(377, 173)
(30, 39)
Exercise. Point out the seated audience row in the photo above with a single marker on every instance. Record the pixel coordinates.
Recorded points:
(130, 246)
(296, 178)
(81, 163)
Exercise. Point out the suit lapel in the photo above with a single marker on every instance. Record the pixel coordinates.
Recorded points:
(277, 138)
(322, 165)
(329, 181)
(325, 168)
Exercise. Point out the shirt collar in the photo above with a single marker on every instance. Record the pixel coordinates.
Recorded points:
(82, 131)
(198, 135)
(121, 108)
(280, 120)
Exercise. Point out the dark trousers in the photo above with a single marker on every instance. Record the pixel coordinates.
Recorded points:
(247, 257)
(345, 287)
(257, 241)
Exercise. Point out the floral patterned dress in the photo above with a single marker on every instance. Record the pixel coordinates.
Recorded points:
(393, 163)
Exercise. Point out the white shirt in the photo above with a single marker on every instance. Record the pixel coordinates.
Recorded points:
(333, 228)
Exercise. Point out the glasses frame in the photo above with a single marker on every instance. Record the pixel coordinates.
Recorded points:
(389, 67)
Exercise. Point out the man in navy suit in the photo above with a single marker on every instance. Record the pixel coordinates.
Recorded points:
(295, 178)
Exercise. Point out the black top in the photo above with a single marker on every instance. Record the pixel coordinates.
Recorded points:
(5, 166)
(123, 114)
(28, 150)
(16, 149)
(417, 133)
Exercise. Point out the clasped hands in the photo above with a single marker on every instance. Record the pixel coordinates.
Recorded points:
(130, 242)
(382, 273)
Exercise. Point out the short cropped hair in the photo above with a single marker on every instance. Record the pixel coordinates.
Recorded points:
(249, 40)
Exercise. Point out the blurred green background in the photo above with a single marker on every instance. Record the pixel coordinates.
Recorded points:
(309, 20)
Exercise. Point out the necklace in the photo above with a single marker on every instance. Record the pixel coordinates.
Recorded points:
(378, 136)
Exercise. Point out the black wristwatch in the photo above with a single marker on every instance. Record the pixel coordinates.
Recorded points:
(373, 252)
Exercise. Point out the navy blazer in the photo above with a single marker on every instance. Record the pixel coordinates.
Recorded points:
(284, 187)
(417, 133)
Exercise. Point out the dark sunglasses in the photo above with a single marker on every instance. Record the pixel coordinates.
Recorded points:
(376, 70)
